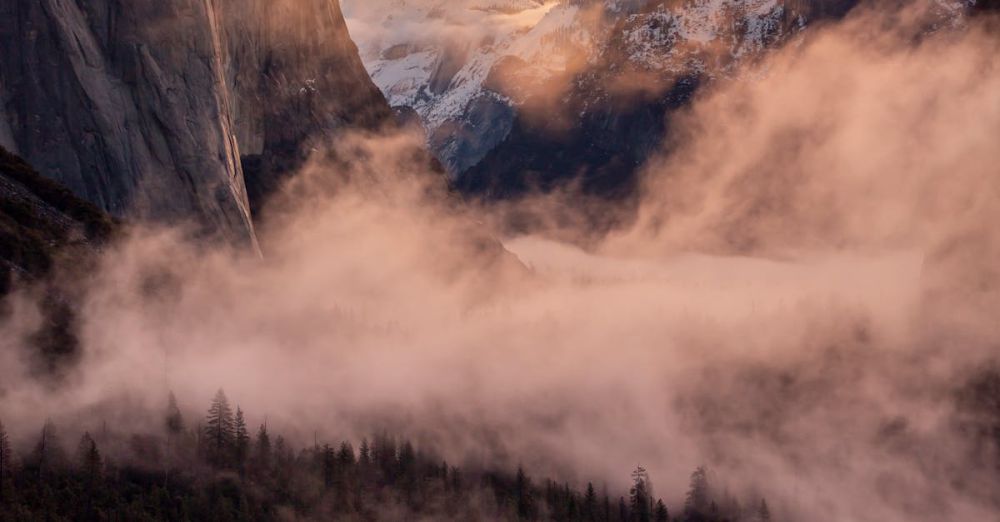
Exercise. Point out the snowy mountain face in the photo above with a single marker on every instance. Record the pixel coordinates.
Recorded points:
(437, 58)
(473, 69)
(467, 67)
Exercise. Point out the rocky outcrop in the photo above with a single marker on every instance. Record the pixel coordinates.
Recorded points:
(652, 58)
(41, 221)
(295, 80)
(122, 101)
(143, 106)
(294, 73)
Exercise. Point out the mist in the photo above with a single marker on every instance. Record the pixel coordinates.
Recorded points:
(807, 282)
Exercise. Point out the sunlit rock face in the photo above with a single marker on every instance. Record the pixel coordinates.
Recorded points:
(438, 57)
(124, 102)
(144, 107)
(526, 94)
(467, 68)
(648, 60)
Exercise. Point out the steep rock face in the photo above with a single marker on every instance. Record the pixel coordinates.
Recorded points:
(652, 57)
(122, 101)
(568, 90)
(295, 79)
(143, 106)
(469, 88)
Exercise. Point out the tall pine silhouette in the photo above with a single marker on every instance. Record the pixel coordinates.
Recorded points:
(89, 458)
(241, 441)
(639, 496)
(220, 431)
(6, 462)
(697, 505)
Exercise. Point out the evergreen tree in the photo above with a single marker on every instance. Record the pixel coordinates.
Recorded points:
(572, 510)
(623, 514)
(174, 421)
(763, 513)
(407, 459)
(282, 454)
(263, 448)
(345, 455)
(6, 462)
(89, 458)
(639, 496)
(364, 454)
(384, 456)
(328, 458)
(697, 503)
(589, 508)
(660, 514)
(48, 454)
(219, 430)
(523, 495)
(241, 441)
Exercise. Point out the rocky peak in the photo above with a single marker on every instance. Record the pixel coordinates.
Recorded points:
(144, 106)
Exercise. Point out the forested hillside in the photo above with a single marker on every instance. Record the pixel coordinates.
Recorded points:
(219, 468)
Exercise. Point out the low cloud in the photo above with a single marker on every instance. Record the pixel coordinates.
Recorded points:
(806, 285)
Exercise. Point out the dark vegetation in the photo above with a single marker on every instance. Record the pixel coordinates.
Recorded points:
(96, 222)
(979, 414)
(223, 470)
(44, 226)
(41, 220)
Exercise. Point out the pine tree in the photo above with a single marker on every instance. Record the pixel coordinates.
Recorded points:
(6, 462)
(589, 507)
(639, 496)
(89, 458)
(329, 461)
(384, 455)
(48, 454)
(364, 454)
(219, 430)
(697, 501)
(523, 495)
(174, 421)
(263, 448)
(282, 455)
(572, 510)
(660, 514)
(345, 455)
(763, 513)
(241, 442)
(622, 510)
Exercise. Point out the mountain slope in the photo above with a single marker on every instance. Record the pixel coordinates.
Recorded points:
(295, 79)
(41, 220)
(143, 106)
(121, 102)
(577, 90)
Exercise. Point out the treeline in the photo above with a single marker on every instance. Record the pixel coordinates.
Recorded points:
(219, 470)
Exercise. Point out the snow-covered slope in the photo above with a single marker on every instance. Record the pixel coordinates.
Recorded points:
(438, 57)
(468, 67)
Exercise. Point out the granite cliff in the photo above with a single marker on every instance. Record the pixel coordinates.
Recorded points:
(145, 107)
